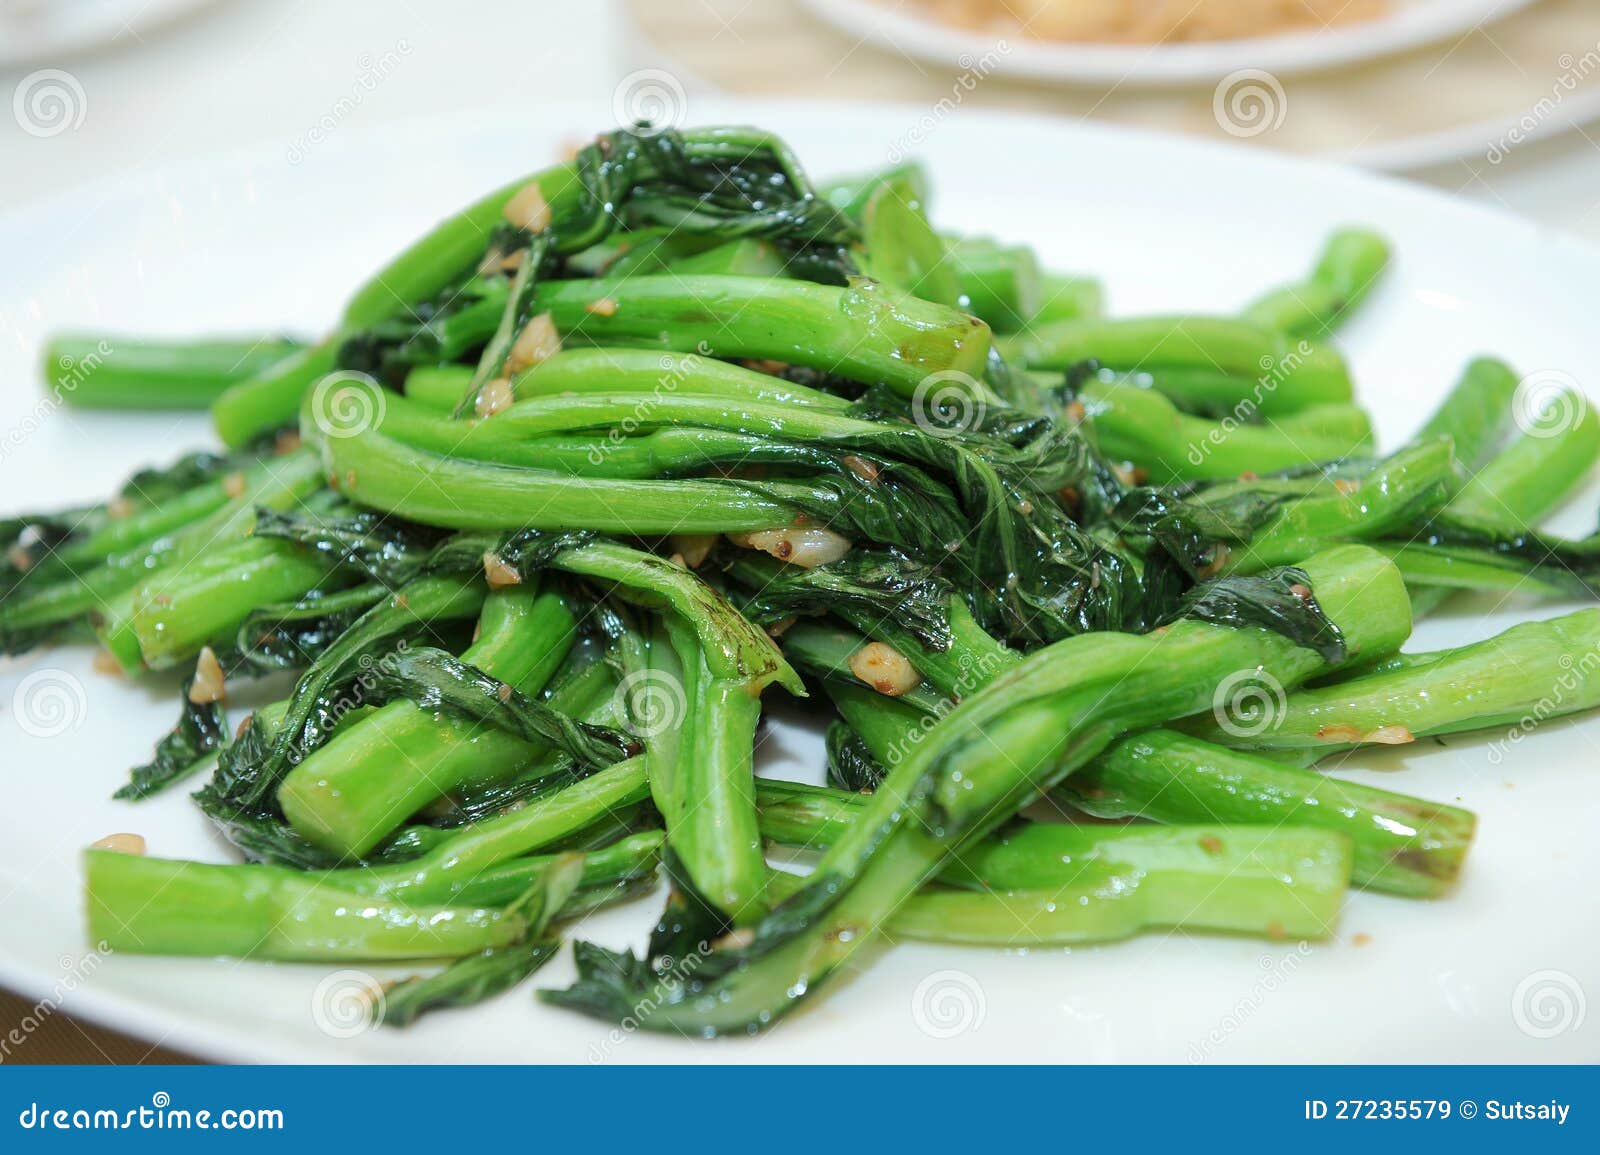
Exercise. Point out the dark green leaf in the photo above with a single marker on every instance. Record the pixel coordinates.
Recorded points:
(1279, 600)
(851, 765)
(201, 731)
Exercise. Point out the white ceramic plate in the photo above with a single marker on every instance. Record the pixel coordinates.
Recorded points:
(1412, 23)
(39, 31)
(250, 242)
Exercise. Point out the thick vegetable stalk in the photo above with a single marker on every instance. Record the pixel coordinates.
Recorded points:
(1398, 492)
(608, 370)
(458, 864)
(590, 455)
(850, 194)
(99, 371)
(900, 249)
(1529, 673)
(164, 906)
(628, 860)
(526, 424)
(1001, 284)
(1403, 845)
(1273, 373)
(745, 257)
(1041, 882)
(384, 474)
(1435, 571)
(1049, 714)
(1068, 297)
(1350, 265)
(103, 567)
(370, 650)
(349, 794)
(705, 787)
(1505, 495)
(422, 909)
(161, 906)
(733, 647)
(171, 616)
(1531, 476)
(866, 331)
(1143, 427)
(1237, 880)
(208, 577)
(709, 668)
(492, 970)
(1475, 413)
(722, 663)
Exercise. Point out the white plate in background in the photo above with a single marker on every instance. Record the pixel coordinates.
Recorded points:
(43, 31)
(1411, 24)
(251, 242)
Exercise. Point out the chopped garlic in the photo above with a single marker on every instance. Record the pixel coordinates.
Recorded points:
(537, 342)
(1338, 733)
(885, 669)
(806, 546)
(861, 467)
(495, 396)
(207, 686)
(1392, 736)
(498, 572)
(528, 210)
(120, 843)
(693, 548)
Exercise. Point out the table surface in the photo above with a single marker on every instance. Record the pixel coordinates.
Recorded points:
(243, 71)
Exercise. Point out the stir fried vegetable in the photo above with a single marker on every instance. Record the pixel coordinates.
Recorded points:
(593, 472)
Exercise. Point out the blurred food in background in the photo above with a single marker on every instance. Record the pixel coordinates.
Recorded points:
(1149, 21)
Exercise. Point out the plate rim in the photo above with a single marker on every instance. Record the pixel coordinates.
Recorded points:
(1158, 66)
